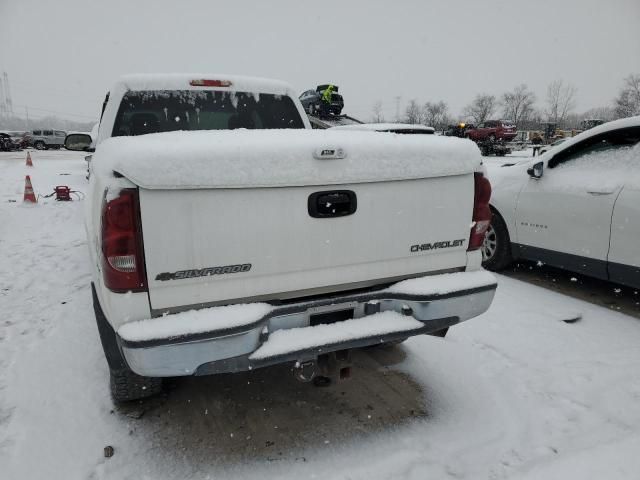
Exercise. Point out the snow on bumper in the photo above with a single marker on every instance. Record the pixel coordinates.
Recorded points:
(241, 337)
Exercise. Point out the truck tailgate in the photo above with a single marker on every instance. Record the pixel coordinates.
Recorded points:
(221, 245)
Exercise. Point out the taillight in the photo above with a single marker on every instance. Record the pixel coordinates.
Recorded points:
(204, 82)
(122, 260)
(481, 211)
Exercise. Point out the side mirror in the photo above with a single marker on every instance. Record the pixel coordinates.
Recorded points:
(536, 171)
(78, 142)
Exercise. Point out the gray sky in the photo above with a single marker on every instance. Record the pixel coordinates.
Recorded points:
(63, 55)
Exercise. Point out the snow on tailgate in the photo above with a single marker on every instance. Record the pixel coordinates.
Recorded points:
(285, 341)
(274, 158)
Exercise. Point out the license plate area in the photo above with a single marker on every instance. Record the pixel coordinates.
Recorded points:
(327, 318)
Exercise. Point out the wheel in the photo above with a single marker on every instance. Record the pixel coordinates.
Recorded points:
(125, 384)
(40, 145)
(496, 249)
(492, 138)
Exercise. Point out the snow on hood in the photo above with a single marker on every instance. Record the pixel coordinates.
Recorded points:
(275, 158)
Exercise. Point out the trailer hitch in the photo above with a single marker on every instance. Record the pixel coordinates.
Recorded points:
(325, 369)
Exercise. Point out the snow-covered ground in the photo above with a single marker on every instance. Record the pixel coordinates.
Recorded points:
(516, 393)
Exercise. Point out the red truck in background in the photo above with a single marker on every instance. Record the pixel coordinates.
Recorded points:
(492, 130)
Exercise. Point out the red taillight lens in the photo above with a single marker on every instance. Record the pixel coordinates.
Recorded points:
(203, 82)
(481, 211)
(122, 261)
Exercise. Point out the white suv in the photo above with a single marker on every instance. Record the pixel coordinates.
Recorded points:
(575, 207)
(44, 139)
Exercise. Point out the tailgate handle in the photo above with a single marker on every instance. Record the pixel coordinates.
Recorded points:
(335, 203)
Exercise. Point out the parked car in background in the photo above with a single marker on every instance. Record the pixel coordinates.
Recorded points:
(6, 144)
(45, 139)
(312, 101)
(576, 207)
(492, 130)
(20, 139)
(403, 128)
(458, 130)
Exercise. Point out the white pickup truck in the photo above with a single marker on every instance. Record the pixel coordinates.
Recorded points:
(227, 235)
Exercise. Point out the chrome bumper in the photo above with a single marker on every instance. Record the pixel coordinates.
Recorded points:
(230, 350)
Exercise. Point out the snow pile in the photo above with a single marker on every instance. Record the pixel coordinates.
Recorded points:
(194, 322)
(443, 284)
(284, 341)
(275, 158)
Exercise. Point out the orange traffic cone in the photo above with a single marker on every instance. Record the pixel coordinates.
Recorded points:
(29, 162)
(29, 196)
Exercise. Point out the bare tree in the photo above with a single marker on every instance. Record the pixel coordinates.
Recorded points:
(413, 113)
(518, 104)
(378, 114)
(560, 101)
(482, 107)
(436, 115)
(627, 103)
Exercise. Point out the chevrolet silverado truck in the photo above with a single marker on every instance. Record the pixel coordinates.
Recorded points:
(226, 235)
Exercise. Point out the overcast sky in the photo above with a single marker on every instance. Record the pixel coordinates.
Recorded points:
(63, 55)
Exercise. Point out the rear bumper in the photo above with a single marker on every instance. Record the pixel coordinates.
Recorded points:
(254, 345)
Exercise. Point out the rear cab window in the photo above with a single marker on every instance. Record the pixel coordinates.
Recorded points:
(143, 112)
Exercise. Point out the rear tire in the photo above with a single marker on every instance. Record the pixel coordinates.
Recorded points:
(40, 146)
(496, 249)
(125, 384)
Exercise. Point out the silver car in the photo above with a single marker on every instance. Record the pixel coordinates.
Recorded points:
(44, 139)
